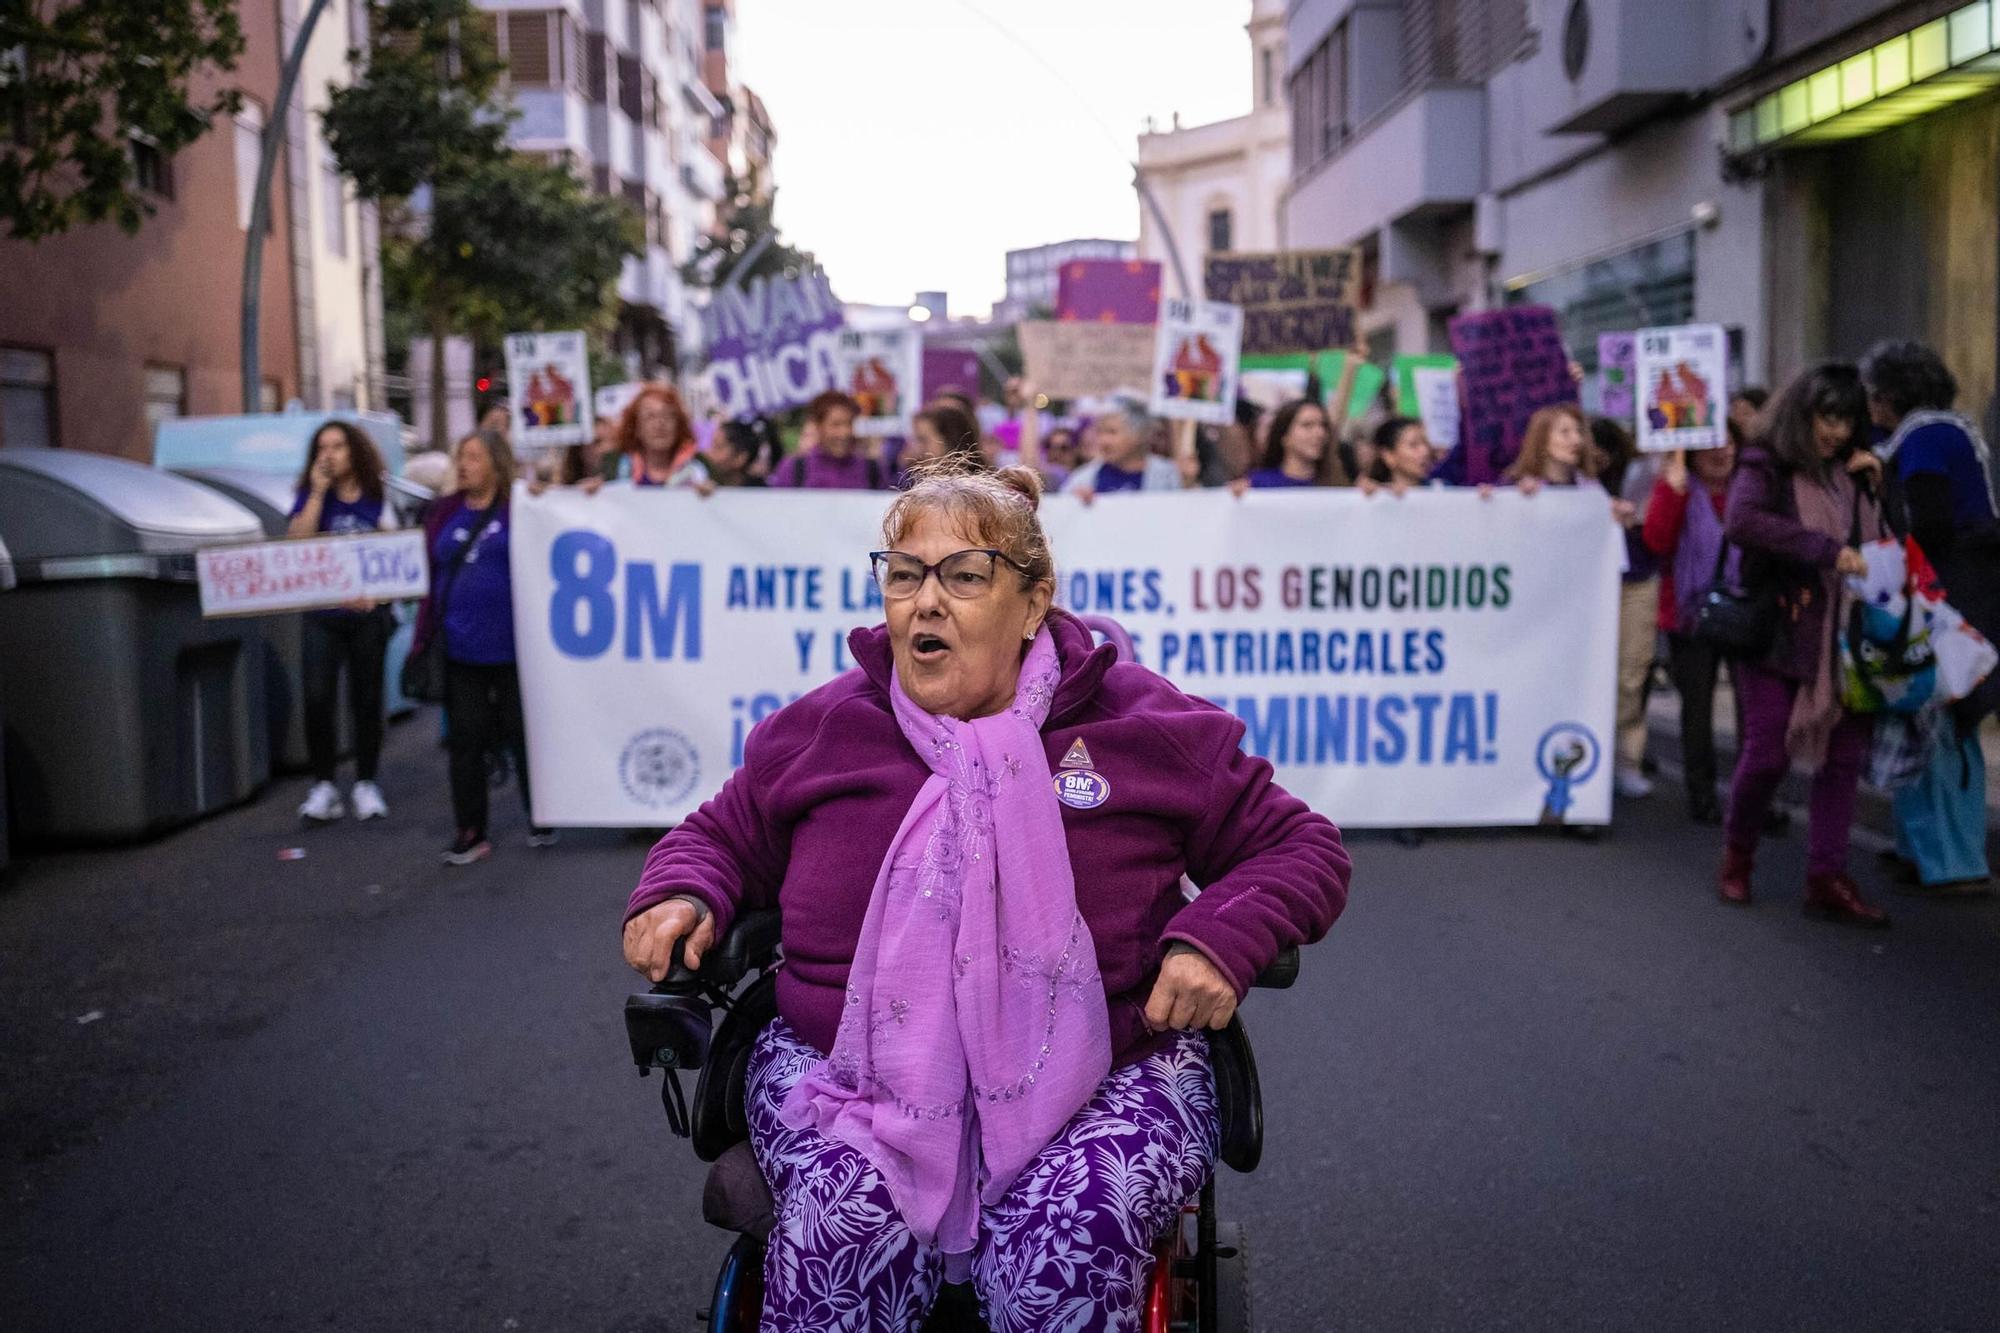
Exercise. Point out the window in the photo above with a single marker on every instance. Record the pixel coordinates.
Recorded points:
(27, 397)
(525, 46)
(357, 25)
(597, 52)
(333, 198)
(631, 95)
(152, 170)
(268, 396)
(718, 27)
(166, 394)
(1267, 76)
(1219, 231)
(249, 154)
(1320, 126)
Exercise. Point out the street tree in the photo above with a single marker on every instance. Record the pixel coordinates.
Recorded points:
(477, 239)
(744, 226)
(82, 80)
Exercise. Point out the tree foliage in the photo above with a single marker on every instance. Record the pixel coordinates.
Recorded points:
(748, 220)
(80, 79)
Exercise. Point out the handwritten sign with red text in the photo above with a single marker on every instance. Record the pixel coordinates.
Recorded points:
(318, 572)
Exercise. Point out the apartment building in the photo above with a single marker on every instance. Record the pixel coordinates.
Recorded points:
(743, 138)
(1811, 174)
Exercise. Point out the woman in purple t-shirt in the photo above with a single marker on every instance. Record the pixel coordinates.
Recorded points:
(1299, 451)
(340, 491)
(836, 461)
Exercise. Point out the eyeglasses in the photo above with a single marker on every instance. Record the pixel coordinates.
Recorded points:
(967, 574)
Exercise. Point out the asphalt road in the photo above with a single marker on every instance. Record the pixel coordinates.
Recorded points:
(1527, 1084)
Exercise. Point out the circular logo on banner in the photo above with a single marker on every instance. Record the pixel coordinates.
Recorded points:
(1082, 789)
(1567, 756)
(659, 767)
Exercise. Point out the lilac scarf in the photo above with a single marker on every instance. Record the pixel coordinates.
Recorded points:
(975, 1023)
(1695, 556)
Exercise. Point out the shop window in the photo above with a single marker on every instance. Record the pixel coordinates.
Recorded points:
(27, 397)
(166, 394)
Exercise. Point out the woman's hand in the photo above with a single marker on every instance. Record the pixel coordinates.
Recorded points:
(1865, 463)
(591, 485)
(1190, 993)
(322, 475)
(1675, 472)
(1851, 561)
(1623, 512)
(650, 936)
(1240, 487)
(1528, 485)
(1084, 495)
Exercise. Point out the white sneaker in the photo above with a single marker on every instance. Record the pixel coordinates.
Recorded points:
(368, 802)
(1631, 784)
(323, 804)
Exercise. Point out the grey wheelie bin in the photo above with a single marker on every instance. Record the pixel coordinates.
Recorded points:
(127, 713)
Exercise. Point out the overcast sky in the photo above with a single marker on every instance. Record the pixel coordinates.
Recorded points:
(917, 143)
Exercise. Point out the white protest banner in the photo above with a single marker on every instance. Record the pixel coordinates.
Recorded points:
(1195, 361)
(1437, 404)
(883, 370)
(314, 572)
(1680, 374)
(548, 389)
(1435, 660)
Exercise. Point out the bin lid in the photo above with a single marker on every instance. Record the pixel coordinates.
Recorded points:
(60, 503)
(266, 494)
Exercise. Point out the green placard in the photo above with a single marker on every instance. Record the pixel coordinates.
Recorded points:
(1406, 368)
(1368, 381)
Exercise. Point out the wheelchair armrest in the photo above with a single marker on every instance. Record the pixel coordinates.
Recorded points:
(751, 943)
(1283, 971)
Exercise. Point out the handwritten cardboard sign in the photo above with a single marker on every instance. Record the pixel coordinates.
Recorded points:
(1085, 360)
(1293, 300)
(1512, 364)
(264, 578)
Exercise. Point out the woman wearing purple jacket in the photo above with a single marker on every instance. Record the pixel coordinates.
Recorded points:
(988, 1061)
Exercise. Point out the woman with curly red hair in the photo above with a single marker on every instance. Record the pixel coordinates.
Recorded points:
(656, 442)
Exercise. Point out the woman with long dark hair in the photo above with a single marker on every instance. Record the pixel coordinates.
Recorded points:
(941, 430)
(1299, 451)
(1940, 484)
(340, 491)
(472, 605)
(1803, 495)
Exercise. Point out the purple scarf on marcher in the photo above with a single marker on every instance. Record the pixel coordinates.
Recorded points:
(975, 1025)
(1695, 556)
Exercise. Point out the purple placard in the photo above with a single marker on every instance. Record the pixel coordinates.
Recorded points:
(771, 343)
(1512, 363)
(1108, 291)
(950, 368)
(1617, 360)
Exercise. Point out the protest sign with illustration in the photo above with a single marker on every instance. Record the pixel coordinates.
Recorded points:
(1086, 360)
(548, 389)
(263, 578)
(1292, 300)
(882, 369)
(771, 344)
(1512, 363)
(1195, 361)
(1617, 357)
(1391, 660)
(1679, 376)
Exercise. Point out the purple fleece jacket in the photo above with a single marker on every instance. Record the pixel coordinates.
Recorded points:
(825, 782)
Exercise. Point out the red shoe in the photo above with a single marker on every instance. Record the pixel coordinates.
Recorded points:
(1838, 898)
(1732, 885)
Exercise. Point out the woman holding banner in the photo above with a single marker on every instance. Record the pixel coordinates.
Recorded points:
(976, 841)
(1803, 493)
(656, 442)
(1298, 451)
(340, 491)
(1123, 462)
(472, 605)
(1404, 458)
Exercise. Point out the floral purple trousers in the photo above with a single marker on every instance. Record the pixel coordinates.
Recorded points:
(1070, 1246)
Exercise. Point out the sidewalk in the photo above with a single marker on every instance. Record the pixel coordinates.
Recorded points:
(1875, 826)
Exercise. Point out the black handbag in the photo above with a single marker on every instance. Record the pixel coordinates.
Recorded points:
(1739, 622)
(423, 672)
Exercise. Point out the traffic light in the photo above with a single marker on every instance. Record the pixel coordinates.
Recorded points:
(482, 384)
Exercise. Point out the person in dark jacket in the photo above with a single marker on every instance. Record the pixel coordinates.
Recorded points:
(1803, 494)
(994, 989)
(1940, 486)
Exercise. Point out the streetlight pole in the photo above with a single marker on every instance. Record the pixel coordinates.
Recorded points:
(260, 210)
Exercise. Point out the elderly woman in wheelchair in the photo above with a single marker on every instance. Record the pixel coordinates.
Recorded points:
(984, 1060)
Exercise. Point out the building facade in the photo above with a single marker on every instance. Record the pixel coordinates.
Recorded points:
(616, 89)
(102, 334)
(1033, 273)
(743, 138)
(1636, 163)
(1207, 189)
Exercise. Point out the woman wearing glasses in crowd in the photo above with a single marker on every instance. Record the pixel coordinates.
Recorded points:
(986, 751)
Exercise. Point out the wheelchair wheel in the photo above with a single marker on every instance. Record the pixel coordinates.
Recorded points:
(1232, 1280)
(738, 1304)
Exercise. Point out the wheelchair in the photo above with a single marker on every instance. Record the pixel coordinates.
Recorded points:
(1200, 1281)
